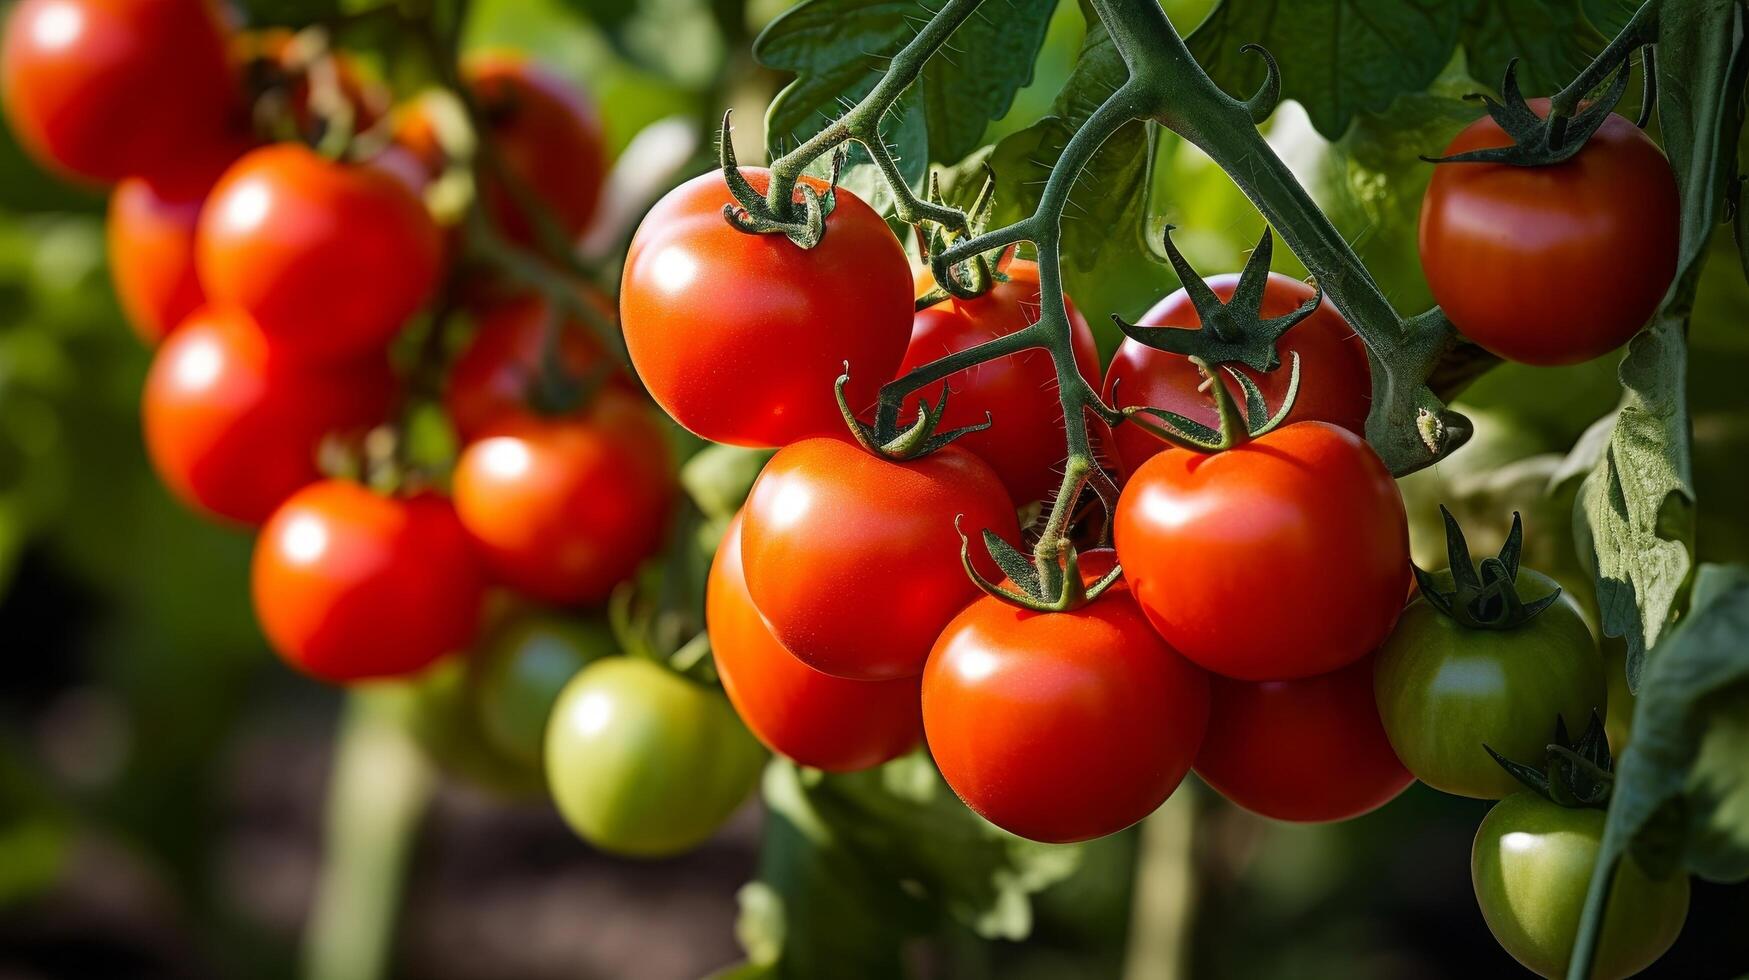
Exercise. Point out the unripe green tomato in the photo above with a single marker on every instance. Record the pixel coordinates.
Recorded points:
(644, 762)
(442, 719)
(519, 670)
(1531, 865)
(1445, 690)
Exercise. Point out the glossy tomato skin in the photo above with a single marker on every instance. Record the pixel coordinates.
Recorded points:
(1557, 264)
(1335, 378)
(853, 560)
(548, 135)
(1062, 727)
(740, 337)
(350, 585)
(233, 425)
(1531, 865)
(517, 670)
(329, 258)
(1309, 750)
(1284, 557)
(1444, 690)
(811, 718)
(564, 508)
(150, 237)
(104, 89)
(1018, 391)
(491, 380)
(644, 762)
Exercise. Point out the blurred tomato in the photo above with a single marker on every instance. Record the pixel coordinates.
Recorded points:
(500, 369)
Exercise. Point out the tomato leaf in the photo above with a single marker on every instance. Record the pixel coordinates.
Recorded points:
(1609, 16)
(1550, 39)
(1337, 57)
(1107, 209)
(839, 48)
(854, 864)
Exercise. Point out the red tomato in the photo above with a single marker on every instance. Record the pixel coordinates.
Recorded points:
(1556, 264)
(1335, 378)
(740, 336)
(495, 373)
(329, 258)
(814, 719)
(1019, 391)
(853, 560)
(350, 585)
(106, 89)
(233, 425)
(1062, 727)
(151, 245)
(566, 508)
(1307, 750)
(1281, 558)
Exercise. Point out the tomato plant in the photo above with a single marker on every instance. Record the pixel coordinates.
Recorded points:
(826, 514)
(565, 508)
(517, 670)
(500, 371)
(1310, 749)
(546, 134)
(233, 424)
(1284, 557)
(644, 762)
(1064, 726)
(329, 258)
(798, 712)
(1554, 264)
(739, 336)
(351, 585)
(1531, 863)
(88, 90)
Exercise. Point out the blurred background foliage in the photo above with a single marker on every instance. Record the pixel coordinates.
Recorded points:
(162, 777)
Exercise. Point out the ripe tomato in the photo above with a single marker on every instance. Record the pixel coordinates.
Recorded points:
(1445, 690)
(1284, 557)
(329, 258)
(815, 719)
(565, 508)
(1308, 750)
(351, 585)
(150, 235)
(644, 762)
(492, 378)
(1501, 244)
(517, 671)
(1019, 391)
(1335, 377)
(233, 425)
(106, 89)
(740, 336)
(853, 560)
(1531, 865)
(1062, 727)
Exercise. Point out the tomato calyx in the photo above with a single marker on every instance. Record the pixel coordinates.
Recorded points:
(652, 620)
(1058, 587)
(1236, 426)
(323, 115)
(1538, 141)
(1577, 774)
(1230, 331)
(752, 214)
(1485, 596)
(919, 439)
(975, 276)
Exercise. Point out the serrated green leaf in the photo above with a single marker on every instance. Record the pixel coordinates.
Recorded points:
(1107, 208)
(1548, 37)
(1337, 57)
(838, 49)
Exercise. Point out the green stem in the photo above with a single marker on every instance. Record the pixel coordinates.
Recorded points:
(1640, 30)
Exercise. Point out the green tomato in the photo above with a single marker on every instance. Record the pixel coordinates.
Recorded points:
(1445, 690)
(1531, 865)
(644, 762)
(519, 670)
(442, 719)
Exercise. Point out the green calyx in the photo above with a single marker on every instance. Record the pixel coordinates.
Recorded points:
(1538, 141)
(1031, 590)
(1230, 331)
(753, 214)
(1483, 597)
(972, 277)
(1236, 426)
(1576, 774)
(919, 439)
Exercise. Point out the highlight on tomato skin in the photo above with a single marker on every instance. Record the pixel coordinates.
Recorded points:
(812, 718)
